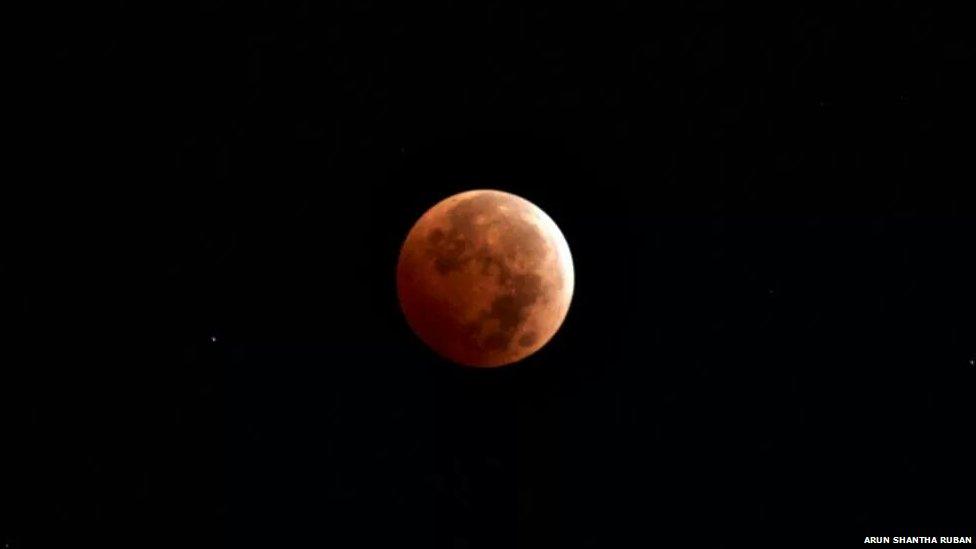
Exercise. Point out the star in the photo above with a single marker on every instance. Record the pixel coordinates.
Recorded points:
(213, 339)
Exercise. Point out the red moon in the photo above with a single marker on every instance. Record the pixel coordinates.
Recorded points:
(485, 278)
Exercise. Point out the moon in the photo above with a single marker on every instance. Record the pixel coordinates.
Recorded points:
(485, 278)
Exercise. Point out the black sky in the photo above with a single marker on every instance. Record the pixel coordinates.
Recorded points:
(772, 338)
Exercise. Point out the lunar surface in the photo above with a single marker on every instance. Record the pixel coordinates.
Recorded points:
(485, 278)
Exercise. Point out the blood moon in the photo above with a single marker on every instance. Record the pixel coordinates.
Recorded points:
(485, 278)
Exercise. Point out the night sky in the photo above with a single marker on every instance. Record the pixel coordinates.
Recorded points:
(772, 339)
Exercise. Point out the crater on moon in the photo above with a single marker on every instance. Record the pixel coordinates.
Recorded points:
(485, 278)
